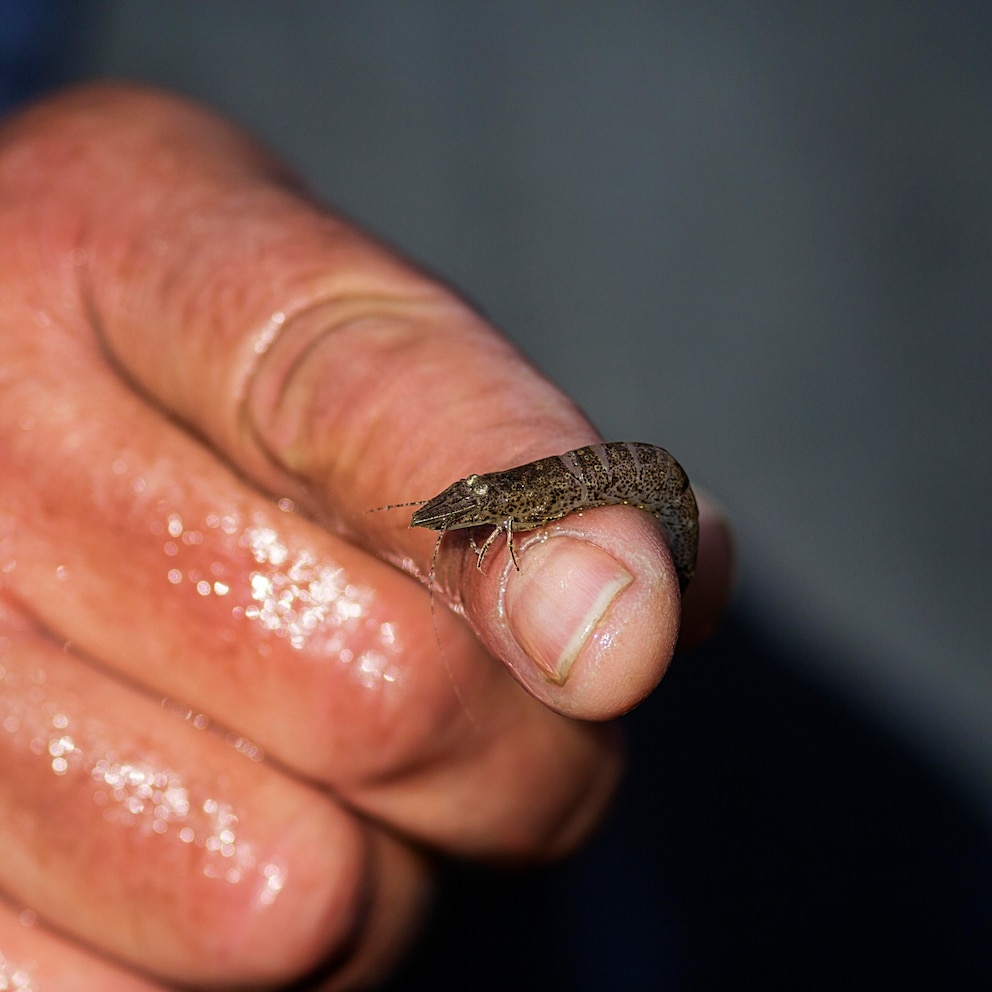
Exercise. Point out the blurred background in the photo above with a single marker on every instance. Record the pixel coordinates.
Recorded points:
(759, 235)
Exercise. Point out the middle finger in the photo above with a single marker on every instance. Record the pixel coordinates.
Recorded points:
(207, 865)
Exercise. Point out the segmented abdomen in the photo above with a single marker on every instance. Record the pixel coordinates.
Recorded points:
(621, 472)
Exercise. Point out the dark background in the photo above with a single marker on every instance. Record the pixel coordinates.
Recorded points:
(761, 236)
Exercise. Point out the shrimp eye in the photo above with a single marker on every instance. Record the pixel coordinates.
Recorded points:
(481, 489)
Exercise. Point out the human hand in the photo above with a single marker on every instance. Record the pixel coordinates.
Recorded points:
(206, 381)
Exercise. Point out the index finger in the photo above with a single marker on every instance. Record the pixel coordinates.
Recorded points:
(327, 368)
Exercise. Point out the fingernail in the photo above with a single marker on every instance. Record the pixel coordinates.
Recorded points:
(554, 603)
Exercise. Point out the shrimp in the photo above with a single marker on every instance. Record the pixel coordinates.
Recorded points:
(532, 495)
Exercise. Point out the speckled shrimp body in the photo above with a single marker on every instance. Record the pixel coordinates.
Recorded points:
(531, 495)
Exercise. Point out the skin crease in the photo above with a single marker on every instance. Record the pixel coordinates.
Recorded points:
(206, 381)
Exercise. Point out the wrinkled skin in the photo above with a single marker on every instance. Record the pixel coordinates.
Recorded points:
(206, 380)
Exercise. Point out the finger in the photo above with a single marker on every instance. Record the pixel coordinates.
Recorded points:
(242, 875)
(708, 596)
(315, 370)
(33, 957)
(198, 587)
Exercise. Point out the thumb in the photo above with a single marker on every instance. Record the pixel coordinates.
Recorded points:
(325, 367)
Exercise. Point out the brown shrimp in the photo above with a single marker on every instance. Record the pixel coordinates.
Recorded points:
(531, 495)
